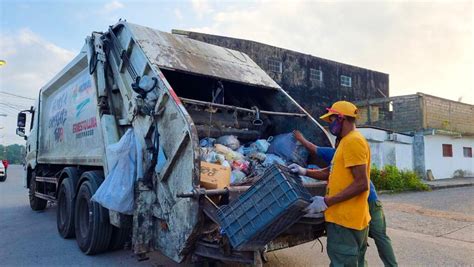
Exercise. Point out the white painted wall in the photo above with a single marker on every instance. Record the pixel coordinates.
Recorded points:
(388, 152)
(444, 167)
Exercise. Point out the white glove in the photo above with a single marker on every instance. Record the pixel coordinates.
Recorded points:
(295, 168)
(318, 205)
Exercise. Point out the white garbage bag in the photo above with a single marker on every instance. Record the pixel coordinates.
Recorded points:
(116, 192)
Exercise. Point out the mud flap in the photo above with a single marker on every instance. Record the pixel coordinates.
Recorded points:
(143, 220)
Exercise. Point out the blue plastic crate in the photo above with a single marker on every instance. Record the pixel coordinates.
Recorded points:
(265, 210)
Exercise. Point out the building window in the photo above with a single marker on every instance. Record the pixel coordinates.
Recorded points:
(447, 150)
(315, 75)
(467, 151)
(346, 81)
(275, 65)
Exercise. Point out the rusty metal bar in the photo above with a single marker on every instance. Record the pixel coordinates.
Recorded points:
(212, 192)
(45, 196)
(52, 180)
(253, 111)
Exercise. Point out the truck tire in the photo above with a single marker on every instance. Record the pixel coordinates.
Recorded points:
(119, 237)
(65, 211)
(3, 178)
(36, 203)
(93, 230)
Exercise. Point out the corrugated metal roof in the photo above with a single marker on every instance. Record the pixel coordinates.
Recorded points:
(181, 53)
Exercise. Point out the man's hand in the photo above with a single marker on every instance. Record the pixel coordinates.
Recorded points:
(295, 168)
(299, 136)
(318, 205)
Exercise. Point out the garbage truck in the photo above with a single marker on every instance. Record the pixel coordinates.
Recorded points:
(170, 92)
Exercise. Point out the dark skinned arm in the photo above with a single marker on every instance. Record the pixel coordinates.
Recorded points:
(360, 185)
(322, 174)
(307, 144)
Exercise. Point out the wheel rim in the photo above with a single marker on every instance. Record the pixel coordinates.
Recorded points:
(84, 217)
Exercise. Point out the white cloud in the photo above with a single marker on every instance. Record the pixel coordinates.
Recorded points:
(424, 46)
(112, 6)
(201, 7)
(31, 62)
(178, 14)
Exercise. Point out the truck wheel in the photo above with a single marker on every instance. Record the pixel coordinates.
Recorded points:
(65, 212)
(92, 228)
(119, 237)
(3, 178)
(36, 203)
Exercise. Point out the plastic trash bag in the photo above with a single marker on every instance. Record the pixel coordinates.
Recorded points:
(230, 141)
(262, 145)
(229, 154)
(116, 192)
(287, 147)
(241, 165)
(237, 176)
(271, 159)
(208, 154)
(207, 142)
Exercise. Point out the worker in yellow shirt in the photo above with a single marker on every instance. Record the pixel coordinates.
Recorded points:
(345, 205)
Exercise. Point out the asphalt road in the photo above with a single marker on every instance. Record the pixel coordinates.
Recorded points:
(427, 229)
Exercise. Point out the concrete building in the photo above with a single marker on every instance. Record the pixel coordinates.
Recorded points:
(442, 129)
(389, 147)
(314, 82)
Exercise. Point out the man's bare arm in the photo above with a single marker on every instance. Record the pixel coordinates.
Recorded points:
(307, 144)
(322, 174)
(360, 185)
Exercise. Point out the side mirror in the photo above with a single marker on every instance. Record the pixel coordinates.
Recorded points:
(21, 121)
(21, 132)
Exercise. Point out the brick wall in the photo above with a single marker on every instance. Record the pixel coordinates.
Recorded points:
(406, 114)
(448, 115)
(412, 113)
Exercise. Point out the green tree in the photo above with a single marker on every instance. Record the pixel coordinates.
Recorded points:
(15, 154)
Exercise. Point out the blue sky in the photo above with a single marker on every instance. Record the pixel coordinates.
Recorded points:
(424, 46)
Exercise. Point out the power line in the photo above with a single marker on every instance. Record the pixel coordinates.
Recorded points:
(14, 98)
(11, 106)
(17, 105)
(24, 97)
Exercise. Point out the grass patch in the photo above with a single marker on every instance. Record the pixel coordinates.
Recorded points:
(391, 178)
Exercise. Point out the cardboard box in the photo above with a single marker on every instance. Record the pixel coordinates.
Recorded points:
(214, 176)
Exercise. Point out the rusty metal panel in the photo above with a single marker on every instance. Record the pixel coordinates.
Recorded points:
(175, 222)
(69, 129)
(181, 53)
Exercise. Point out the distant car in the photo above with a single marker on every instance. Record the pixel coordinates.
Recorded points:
(3, 172)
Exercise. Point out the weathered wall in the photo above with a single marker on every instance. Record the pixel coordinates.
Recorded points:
(448, 115)
(314, 96)
(444, 167)
(419, 154)
(385, 151)
(412, 113)
(406, 116)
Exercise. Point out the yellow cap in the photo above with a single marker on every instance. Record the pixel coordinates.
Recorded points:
(340, 108)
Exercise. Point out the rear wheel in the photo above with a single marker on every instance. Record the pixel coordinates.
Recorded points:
(92, 227)
(65, 212)
(3, 178)
(36, 203)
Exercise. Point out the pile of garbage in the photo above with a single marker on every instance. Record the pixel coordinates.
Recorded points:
(247, 162)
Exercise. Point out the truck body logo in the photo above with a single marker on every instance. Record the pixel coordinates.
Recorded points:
(80, 107)
(84, 128)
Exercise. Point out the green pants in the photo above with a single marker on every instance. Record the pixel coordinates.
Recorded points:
(346, 247)
(377, 231)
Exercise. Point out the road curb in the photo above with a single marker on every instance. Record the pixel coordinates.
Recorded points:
(436, 187)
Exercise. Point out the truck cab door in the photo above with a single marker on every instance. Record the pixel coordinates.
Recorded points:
(30, 135)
